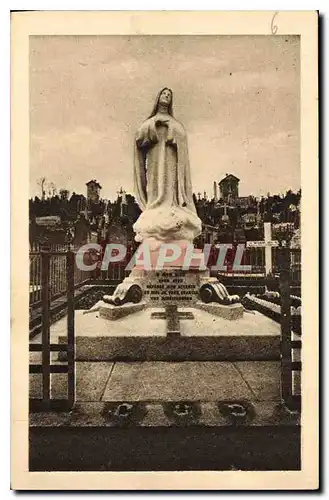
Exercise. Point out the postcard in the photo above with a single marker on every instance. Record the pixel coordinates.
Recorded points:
(164, 250)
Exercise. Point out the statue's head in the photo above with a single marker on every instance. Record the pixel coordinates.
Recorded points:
(165, 98)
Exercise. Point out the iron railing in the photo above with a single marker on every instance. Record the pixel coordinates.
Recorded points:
(291, 343)
(57, 285)
(46, 368)
(56, 273)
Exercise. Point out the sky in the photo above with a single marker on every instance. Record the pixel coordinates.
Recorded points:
(237, 97)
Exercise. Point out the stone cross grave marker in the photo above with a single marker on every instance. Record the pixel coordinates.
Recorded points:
(225, 217)
(267, 243)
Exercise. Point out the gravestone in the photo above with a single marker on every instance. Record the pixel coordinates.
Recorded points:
(81, 231)
(268, 244)
(117, 233)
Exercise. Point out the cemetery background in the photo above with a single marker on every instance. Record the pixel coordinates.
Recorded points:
(60, 222)
(129, 398)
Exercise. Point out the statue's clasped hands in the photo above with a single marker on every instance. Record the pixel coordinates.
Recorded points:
(160, 119)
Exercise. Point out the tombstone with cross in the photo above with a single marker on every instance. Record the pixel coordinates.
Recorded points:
(268, 244)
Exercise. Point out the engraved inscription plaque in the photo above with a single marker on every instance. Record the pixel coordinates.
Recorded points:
(172, 287)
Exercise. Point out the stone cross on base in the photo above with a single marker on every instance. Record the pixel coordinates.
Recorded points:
(268, 243)
(172, 315)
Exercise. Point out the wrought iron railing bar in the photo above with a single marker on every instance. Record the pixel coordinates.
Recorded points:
(286, 355)
(45, 261)
(70, 327)
(52, 347)
(52, 369)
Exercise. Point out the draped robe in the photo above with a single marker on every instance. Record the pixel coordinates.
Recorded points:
(162, 181)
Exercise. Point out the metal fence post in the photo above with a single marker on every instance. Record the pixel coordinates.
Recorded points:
(45, 293)
(286, 359)
(70, 327)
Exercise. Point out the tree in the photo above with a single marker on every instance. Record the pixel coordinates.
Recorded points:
(52, 189)
(41, 183)
(64, 194)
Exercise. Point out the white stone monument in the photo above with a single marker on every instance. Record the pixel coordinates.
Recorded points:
(168, 272)
(163, 186)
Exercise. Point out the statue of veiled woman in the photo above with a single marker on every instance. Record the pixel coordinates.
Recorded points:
(162, 177)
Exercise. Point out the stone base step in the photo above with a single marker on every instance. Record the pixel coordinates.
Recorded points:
(177, 348)
(249, 435)
(130, 448)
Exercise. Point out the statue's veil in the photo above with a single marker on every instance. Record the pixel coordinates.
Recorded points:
(156, 104)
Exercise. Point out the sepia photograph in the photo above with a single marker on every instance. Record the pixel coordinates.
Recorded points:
(164, 256)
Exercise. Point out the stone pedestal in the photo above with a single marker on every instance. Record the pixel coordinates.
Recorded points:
(112, 312)
(169, 287)
(177, 254)
(143, 336)
(231, 312)
(172, 286)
